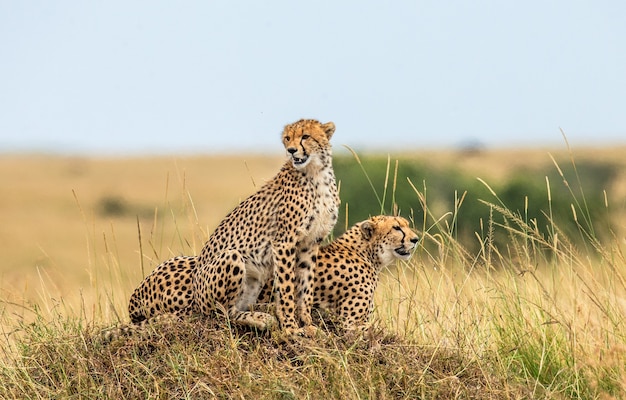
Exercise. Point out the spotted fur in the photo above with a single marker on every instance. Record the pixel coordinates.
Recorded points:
(347, 270)
(345, 276)
(273, 235)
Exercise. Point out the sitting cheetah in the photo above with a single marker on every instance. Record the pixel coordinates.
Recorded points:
(272, 235)
(346, 273)
(347, 269)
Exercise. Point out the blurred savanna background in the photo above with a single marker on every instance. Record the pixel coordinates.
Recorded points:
(128, 131)
(83, 231)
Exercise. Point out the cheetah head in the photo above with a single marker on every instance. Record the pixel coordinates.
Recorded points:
(392, 235)
(306, 139)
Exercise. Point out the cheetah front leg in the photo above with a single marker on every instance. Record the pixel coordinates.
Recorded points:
(305, 266)
(293, 291)
(284, 287)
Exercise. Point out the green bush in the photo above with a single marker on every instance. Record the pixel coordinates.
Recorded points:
(374, 184)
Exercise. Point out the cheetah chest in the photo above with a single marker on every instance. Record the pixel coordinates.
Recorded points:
(323, 215)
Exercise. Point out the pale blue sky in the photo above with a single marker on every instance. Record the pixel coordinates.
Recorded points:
(207, 76)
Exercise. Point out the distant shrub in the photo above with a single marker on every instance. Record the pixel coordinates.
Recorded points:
(573, 204)
(117, 206)
(112, 206)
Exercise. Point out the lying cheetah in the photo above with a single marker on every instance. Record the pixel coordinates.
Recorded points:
(346, 273)
(272, 235)
(347, 269)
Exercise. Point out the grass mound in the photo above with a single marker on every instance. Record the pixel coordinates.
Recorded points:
(206, 359)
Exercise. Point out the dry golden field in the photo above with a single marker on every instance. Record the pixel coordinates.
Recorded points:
(543, 318)
(59, 241)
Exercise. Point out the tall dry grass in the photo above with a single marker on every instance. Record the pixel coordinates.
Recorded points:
(545, 308)
(541, 318)
(61, 244)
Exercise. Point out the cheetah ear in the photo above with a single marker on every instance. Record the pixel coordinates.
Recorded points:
(367, 230)
(329, 129)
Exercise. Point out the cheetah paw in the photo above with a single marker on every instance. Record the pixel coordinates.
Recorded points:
(308, 331)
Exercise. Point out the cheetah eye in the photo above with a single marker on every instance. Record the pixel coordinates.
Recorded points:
(287, 138)
(397, 228)
(305, 136)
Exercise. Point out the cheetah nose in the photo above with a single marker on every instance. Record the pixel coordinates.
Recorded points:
(414, 239)
(291, 150)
